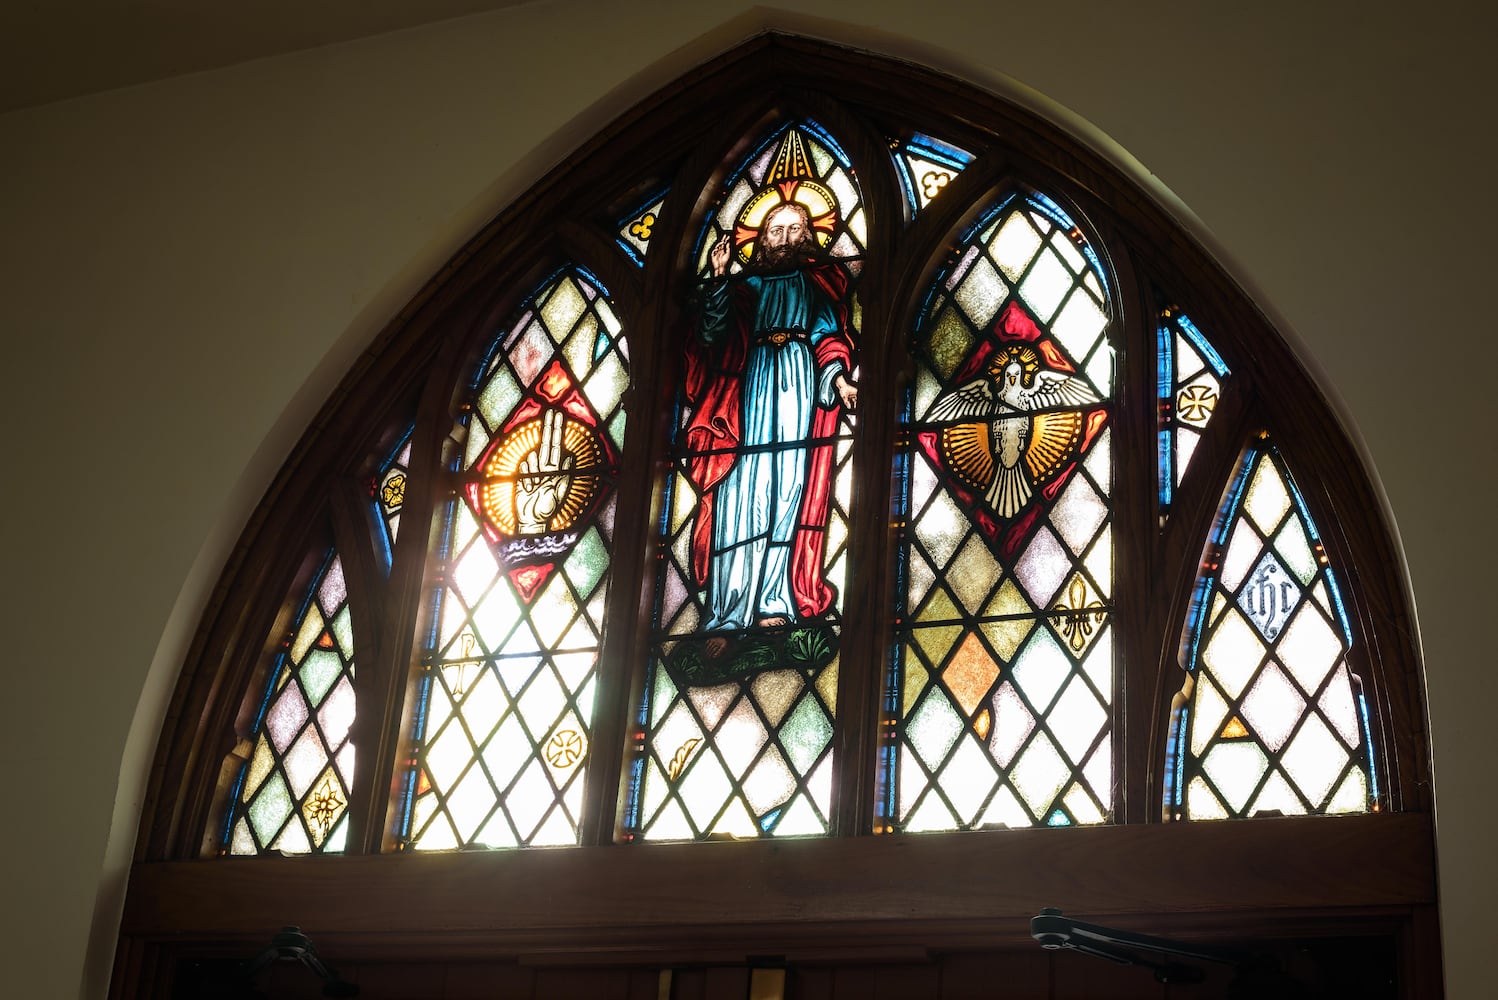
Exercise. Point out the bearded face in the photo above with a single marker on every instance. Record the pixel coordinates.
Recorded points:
(785, 237)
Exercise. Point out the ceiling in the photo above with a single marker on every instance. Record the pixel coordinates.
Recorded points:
(51, 51)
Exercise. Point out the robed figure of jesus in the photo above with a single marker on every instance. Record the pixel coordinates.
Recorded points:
(767, 373)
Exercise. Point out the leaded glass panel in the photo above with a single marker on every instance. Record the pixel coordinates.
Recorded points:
(926, 166)
(737, 716)
(999, 692)
(388, 491)
(504, 729)
(636, 230)
(292, 795)
(1191, 375)
(1271, 719)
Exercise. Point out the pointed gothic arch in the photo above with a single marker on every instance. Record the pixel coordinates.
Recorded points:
(672, 160)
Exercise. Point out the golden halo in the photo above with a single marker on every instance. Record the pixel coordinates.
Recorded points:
(819, 202)
(1027, 357)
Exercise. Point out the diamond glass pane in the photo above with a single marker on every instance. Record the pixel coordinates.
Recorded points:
(1003, 499)
(1271, 721)
(504, 740)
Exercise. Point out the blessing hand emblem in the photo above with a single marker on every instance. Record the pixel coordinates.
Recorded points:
(544, 481)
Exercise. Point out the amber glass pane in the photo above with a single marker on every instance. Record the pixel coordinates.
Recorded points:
(737, 716)
(506, 712)
(999, 692)
(1271, 719)
(292, 795)
(1191, 374)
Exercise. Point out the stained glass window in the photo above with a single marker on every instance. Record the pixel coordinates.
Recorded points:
(1000, 684)
(504, 725)
(1271, 719)
(737, 715)
(635, 231)
(1190, 384)
(389, 495)
(926, 166)
(292, 796)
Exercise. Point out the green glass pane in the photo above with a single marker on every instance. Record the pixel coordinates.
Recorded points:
(562, 308)
(343, 631)
(588, 563)
(319, 670)
(270, 809)
(806, 734)
(498, 398)
(949, 343)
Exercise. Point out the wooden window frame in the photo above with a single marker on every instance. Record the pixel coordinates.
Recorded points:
(851, 892)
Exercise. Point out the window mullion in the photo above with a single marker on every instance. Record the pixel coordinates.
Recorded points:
(406, 601)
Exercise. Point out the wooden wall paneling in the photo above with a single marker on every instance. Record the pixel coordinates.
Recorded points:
(488, 981)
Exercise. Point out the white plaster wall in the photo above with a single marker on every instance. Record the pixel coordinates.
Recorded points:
(187, 267)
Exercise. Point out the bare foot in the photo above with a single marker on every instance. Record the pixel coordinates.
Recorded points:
(716, 646)
(774, 621)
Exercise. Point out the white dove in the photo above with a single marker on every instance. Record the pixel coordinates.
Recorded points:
(1027, 419)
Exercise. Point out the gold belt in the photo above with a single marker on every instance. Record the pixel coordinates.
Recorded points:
(782, 337)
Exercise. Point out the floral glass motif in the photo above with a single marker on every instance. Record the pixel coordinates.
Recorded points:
(736, 721)
(293, 793)
(388, 490)
(1190, 385)
(635, 232)
(1271, 720)
(506, 702)
(1000, 684)
(926, 166)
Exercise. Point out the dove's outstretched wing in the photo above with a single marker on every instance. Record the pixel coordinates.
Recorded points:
(976, 400)
(1055, 389)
